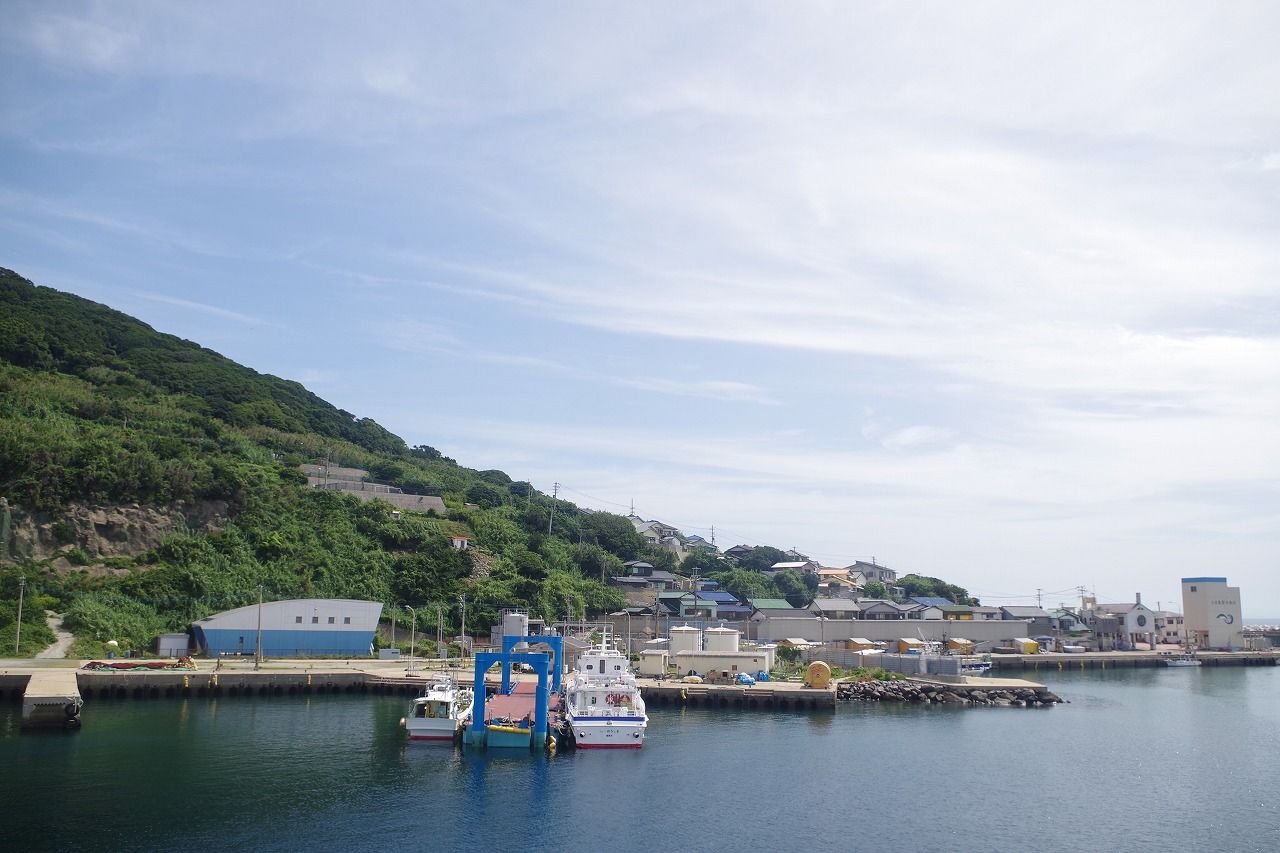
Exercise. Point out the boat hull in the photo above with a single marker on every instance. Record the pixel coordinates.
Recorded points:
(607, 736)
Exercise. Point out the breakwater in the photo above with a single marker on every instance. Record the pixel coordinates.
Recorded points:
(941, 693)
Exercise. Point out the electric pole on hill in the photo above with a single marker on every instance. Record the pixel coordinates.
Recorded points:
(555, 493)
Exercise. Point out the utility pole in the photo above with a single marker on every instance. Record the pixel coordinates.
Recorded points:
(462, 601)
(1038, 597)
(17, 638)
(393, 624)
(713, 537)
(413, 636)
(257, 645)
(439, 630)
(555, 493)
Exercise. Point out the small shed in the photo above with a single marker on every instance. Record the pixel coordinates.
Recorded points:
(173, 645)
(960, 645)
(1024, 645)
(910, 645)
(654, 662)
(859, 644)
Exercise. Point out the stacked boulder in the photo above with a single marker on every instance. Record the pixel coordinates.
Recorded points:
(923, 693)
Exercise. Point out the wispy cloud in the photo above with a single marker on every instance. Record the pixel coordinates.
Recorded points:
(203, 308)
(709, 389)
(1060, 310)
(81, 41)
(427, 338)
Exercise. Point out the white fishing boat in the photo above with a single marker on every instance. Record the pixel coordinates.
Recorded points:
(439, 713)
(974, 666)
(603, 705)
(1186, 659)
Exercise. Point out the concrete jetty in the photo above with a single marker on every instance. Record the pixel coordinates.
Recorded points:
(51, 699)
(763, 695)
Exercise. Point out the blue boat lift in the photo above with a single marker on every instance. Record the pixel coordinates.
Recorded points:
(548, 682)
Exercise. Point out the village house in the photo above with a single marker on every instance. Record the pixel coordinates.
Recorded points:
(836, 608)
(1041, 622)
(804, 567)
(1137, 621)
(1170, 627)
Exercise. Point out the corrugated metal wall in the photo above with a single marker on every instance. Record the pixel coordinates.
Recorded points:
(276, 643)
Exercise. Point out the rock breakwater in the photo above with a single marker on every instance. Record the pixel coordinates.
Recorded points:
(945, 694)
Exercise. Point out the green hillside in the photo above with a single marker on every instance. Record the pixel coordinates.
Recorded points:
(98, 408)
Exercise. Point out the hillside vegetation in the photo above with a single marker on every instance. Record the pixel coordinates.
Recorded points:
(98, 408)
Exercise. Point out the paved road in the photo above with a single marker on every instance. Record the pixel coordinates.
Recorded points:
(63, 642)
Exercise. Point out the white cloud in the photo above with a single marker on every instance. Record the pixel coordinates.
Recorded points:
(203, 308)
(1038, 250)
(710, 389)
(79, 41)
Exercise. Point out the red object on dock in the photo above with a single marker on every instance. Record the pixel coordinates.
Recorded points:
(517, 705)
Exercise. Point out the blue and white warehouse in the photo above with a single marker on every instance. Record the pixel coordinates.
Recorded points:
(304, 627)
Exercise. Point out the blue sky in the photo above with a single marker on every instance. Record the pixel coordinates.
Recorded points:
(988, 292)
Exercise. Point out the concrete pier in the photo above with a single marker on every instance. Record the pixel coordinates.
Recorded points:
(51, 699)
(764, 695)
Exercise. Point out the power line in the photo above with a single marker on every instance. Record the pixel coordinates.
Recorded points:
(591, 497)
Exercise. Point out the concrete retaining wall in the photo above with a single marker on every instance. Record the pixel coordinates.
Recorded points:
(985, 633)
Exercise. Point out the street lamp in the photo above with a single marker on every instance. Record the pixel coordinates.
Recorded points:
(17, 637)
(413, 627)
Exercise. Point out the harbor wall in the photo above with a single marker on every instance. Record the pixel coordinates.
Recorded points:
(1055, 662)
(984, 633)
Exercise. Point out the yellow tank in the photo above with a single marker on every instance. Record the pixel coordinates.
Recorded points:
(817, 676)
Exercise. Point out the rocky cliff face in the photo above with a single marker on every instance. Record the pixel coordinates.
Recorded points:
(103, 531)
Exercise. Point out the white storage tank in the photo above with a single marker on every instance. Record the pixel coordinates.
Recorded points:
(515, 625)
(720, 639)
(685, 638)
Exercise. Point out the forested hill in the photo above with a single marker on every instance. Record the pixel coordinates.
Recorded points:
(98, 410)
(150, 481)
(47, 330)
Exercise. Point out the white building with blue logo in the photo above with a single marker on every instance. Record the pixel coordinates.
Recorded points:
(305, 627)
(1212, 613)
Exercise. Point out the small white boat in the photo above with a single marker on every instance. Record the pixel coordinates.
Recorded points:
(440, 712)
(1188, 659)
(974, 666)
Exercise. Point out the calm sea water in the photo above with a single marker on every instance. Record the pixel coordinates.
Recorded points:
(1162, 760)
